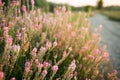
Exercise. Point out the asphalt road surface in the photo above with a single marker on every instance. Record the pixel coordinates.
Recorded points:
(110, 35)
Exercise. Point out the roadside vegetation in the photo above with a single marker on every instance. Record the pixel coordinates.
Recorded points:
(35, 45)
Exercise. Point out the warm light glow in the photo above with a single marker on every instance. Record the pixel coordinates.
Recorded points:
(77, 3)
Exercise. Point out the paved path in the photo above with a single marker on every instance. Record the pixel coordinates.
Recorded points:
(110, 35)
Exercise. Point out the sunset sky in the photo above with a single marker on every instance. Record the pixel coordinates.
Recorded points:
(77, 3)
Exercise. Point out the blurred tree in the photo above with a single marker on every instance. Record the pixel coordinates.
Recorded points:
(43, 4)
(100, 4)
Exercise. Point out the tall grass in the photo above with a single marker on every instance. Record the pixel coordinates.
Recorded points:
(50, 46)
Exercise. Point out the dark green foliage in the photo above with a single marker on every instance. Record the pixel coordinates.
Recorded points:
(100, 4)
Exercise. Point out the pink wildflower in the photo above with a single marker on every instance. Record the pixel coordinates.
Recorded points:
(80, 65)
(70, 75)
(9, 41)
(55, 44)
(46, 64)
(42, 49)
(13, 78)
(5, 29)
(24, 8)
(16, 48)
(27, 69)
(40, 65)
(54, 68)
(35, 19)
(0, 2)
(13, 2)
(2, 75)
(27, 64)
(88, 79)
(18, 35)
(91, 56)
(72, 65)
(32, 2)
(63, 8)
(97, 51)
(96, 72)
(56, 11)
(115, 72)
(105, 55)
(48, 44)
(39, 26)
(36, 61)
(64, 53)
(34, 52)
(70, 48)
(44, 73)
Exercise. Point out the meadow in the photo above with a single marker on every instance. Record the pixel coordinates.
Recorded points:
(35, 45)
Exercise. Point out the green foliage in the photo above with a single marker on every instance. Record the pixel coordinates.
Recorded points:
(100, 4)
(42, 4)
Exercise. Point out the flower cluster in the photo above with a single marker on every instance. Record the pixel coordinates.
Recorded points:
(50, 46)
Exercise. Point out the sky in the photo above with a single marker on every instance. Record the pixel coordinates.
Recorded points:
(78, 3)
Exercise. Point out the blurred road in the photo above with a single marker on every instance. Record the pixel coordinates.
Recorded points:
(110, 35)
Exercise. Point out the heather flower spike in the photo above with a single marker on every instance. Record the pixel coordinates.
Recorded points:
(55, 68)
(2, 75)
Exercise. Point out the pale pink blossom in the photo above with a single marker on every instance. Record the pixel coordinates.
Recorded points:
(91, 56)
(96, 72)
(9, 41)
(44, 72)
(70, 48)
(48, 44)
(13, 2)
(39, 26)
(42, 49)
(56, 11)
(40, 65)
(24, 8)
(80, 65)
(27, 69)
(55, 68)
(72, 66)
(27, 64)
(13, 78)
(70, 75)
(63, 8)
(115, 72)
(2, 75)
(64, 54)
(87, 79)
(46, 64)
(105, 55)
(35, 19)
(5, 29)
(34, 52)
(54, 43)
(18, 35)
(32, 2)
(0, 2)
(16, 48)
(96, 51)
(36, 61)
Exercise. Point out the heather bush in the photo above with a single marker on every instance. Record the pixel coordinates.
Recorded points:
(50, 46)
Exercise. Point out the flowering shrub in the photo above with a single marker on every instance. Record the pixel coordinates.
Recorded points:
(50, 46)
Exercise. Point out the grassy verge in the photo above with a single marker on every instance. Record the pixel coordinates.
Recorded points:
(113, 15)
